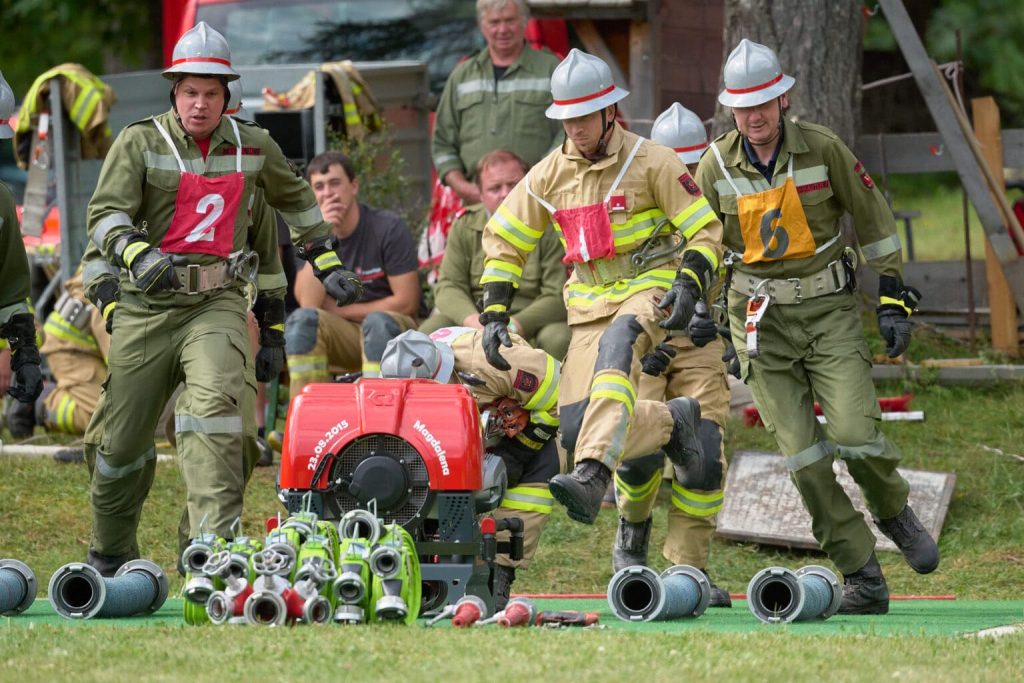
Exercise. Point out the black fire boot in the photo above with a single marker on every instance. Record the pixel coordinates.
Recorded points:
(719, 596)
(581, 490)
(266, 453)
(631, 542)
(107, 565)
(683, 447)
(865, 591)
(502, 578)
(70, 456)
(21, 418)
(916, 544)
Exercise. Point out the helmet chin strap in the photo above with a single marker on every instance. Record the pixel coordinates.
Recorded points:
(606, 126)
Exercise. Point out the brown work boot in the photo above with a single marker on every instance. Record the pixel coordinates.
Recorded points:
(865, 590)
(916, 544)
(581, 490)
(631, 542)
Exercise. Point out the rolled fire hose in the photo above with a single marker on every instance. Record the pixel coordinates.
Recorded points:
(78, 591)
(17, 587)
(640, 594)
(777, 595)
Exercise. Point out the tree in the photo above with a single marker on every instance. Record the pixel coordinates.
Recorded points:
(818, 43)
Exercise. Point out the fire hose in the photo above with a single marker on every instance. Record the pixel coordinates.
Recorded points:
(17, 587)
(78, 591)
(777, 595)
(640, 594)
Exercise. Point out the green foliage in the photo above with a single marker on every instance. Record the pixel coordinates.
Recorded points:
(40, 34)
(991, 43)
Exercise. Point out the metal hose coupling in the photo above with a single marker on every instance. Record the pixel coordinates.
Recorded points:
(776, 595)
(229, 603)
(17, 587)
(468, 610)
(349, 614)
(362, 525)
(640, 594)
(78, 591)
(385, 561)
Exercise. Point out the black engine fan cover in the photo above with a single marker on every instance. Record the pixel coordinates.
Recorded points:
(386, 468)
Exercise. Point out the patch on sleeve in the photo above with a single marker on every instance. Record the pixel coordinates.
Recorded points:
(689, 185)
(526, 382)
(859, 169)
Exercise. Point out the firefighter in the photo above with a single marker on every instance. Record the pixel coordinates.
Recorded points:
(17, 324)
(170, 215)
(781, 188)
(525, 397)
(682, 365)
(620, 203)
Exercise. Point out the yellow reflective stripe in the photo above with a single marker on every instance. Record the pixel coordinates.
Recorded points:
(279, 327)
(696, 504)
(496, 308)
(351, 113)
(694, 217)
(84, 106)
(496, 270)
(544, 417)
(707, 253)
(886, 300)
(529, 499)
(640, 491)
(371, 369)
(615, 388)
(56, 326)
(108, 309)
(305, 366)
(638, 227)
(132, 251)
(64, 415)
(528, 442)
(514, 231)
(693, 276)
(582, 295)
(547, 393)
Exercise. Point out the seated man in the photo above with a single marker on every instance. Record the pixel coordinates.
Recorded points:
(525, 401)
(538, 313)
(322, 337)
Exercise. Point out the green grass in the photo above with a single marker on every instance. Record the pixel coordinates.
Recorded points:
(46, 524)
(939, 231)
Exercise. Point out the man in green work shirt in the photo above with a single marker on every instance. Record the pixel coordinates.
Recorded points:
(171, 215)
(17, 324)
(780, 188)
(537, 311)
(495, 100)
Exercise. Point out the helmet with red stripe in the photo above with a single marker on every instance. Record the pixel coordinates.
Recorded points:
(581, 85)
(753, 76)
(202, 51)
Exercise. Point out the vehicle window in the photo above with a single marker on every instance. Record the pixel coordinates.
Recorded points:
(438, 32)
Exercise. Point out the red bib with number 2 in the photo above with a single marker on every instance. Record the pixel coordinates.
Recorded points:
(204, 215)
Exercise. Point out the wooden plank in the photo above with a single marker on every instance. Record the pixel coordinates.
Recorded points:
(1003, 314)
(955, 142)
(642, 76)
(983, 375)
(924, 152)
(593, 43)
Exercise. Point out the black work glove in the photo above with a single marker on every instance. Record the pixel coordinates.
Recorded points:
(682, 298)
(343, 285)
(27, 383)
(151, 269)
(105, 297)
(534, 436)
(269, 315)
(702, 329)
(495, 336)
(731, 360)
(656, 361)
(897, 303)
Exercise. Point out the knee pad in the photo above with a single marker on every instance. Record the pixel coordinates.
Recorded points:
(378, 329)
(300, 331)
(637, 471)
(708, 476)
(571, 417)
(615, 348)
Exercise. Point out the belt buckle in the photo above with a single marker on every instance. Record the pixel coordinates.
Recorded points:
(192, 278)
(836, 268)
(795, 281)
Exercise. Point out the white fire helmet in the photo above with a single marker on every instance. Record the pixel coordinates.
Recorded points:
(202, 51)
(753, 76)
(682, 130)
(414, 354)
(581, 85)
(235, 99)
(6, 109)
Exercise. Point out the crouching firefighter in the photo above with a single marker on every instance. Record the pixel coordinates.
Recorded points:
(642, 241)
(523, 404)
(171, 215)
(781, 188)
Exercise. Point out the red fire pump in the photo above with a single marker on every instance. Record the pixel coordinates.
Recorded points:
(414, 450)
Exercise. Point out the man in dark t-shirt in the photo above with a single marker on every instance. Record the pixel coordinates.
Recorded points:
(321, 337)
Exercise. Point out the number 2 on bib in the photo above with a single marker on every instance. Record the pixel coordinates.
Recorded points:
(212, 205)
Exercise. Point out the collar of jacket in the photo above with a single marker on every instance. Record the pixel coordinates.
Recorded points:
(525, 61)
(222, 133)
(792, 143)
(621, 141)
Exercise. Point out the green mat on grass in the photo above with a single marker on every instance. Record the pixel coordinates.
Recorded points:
(906, 617)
